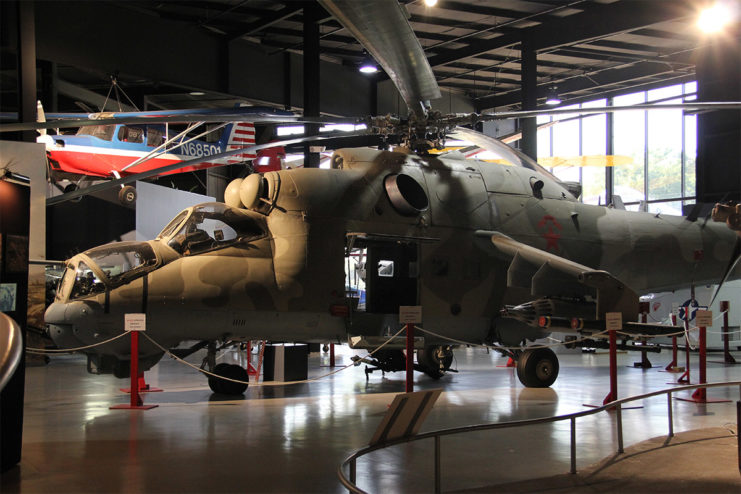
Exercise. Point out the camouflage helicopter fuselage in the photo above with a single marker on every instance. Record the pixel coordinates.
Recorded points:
(460, 230)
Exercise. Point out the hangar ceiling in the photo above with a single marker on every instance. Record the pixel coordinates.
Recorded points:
(585, 48)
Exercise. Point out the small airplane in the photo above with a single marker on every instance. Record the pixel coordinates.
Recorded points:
(492, 253)
(120, 149)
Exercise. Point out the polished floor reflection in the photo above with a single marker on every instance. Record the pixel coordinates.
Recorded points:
(292, 438)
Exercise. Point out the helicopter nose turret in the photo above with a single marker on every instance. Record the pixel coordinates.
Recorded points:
(60, 330)
(69, 322)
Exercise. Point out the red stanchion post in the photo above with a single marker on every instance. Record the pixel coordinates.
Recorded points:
(134, 370)
(685, 378)
(644, 308)
(331, 355)
(135, 401)
(703, 320)
(410, 358)
(700, 394)
(613, 369)
(728, 358)
(673, 364)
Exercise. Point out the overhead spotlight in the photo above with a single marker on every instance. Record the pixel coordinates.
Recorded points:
(430, 3)
(197, 93)
(551, 97)
(714, 18)
(368, 65)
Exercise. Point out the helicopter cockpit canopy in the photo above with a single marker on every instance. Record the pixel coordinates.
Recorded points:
(210, 226)
(108, 266)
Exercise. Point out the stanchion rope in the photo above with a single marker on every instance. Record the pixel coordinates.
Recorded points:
(42, 351)
(313, 379)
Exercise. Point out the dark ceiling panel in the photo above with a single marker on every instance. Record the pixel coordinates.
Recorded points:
(586, 47)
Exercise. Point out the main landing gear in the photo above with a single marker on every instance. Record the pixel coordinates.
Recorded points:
(537, 367)
(433, 360)
(230, 372)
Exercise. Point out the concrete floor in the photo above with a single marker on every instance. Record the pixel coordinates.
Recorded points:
(292, 438)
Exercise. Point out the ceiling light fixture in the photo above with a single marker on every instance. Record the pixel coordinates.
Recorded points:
(551, 97)
(430, 3)
(368, 65)
(714, 18)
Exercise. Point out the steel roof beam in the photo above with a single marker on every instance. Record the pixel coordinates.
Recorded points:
(596, 22)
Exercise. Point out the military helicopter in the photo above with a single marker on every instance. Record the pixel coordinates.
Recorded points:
(493, 253)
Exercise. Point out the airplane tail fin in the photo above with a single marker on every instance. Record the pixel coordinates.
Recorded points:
(239, 135)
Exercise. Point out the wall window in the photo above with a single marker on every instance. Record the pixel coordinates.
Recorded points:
(653, 151)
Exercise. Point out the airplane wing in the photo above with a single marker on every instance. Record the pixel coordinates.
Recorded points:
(183, 164)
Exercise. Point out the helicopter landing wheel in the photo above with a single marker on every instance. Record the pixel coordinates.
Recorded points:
(229, 371)
(537, 368)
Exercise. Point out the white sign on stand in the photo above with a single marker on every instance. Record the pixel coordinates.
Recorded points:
(410, 314)
(704, 318)
(135, 322)
(613, 321)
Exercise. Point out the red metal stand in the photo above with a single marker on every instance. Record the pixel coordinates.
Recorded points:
(142, 385)
(644, 308)
(410, 358)
(685, 377)
(725, 306)
(331, 355)
(136, 402)
(672, 367)
(510, 363)
(700, 394)
(251, 371)
(612, 396)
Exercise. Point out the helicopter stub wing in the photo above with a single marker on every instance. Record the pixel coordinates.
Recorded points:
(562, 282)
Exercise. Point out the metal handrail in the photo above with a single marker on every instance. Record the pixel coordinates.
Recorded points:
(351, 460)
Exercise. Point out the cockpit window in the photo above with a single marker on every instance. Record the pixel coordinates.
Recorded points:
(104, 132)
(66, 282)
(131, 134)
(86, 283)
(172, 225)
(119, 263)
(120, 260)
(212, 226)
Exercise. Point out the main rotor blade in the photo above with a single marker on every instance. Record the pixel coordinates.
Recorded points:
(183, 164)
(689, 106)
(382, 28)
(145, 120)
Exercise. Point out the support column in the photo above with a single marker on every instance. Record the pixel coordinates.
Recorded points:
(609, 150)
(311, 77)
(48, 90)
(719, 133)
(529, 66)
(287, 81)
(27, 67)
